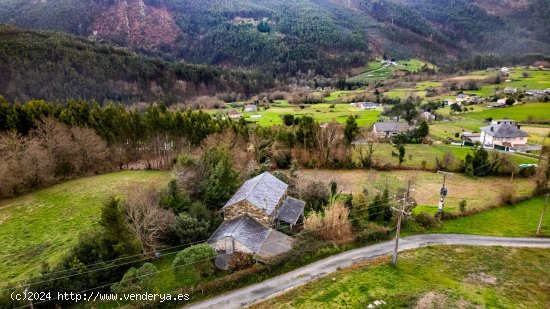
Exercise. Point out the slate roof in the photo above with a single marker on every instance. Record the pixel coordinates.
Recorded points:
(254, 236)
(245, 230)
(275, 244)
(504, 131)
(250, 107)
(263, 191)
(291, 210)
(391, 126)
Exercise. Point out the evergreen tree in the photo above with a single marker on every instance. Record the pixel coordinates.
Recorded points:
(221, 183)
(351, 129)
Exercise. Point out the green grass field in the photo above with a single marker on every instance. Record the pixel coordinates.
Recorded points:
(377, 72)
(42, 226)
(516, 220)
(416, 153)
(433, 277)
(539, 112)
(320, 112)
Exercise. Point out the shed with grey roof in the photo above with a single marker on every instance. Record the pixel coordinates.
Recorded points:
(291, 210)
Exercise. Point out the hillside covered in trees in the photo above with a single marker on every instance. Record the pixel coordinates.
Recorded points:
(285, 37)
(55, 66)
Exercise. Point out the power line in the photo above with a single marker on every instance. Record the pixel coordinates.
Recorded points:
(188, 264)
(112, 266)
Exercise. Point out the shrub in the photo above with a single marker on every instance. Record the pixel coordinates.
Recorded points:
(315, 194)
(136, 280)
(373, 232)
(200, 257)
(240, 261)
(426, 220)
(334, 225)
(507, 195)
(462, 206)
(186, 228)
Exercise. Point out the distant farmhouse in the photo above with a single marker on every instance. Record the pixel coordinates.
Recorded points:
(233, 114)
(250, 216)
(505, 70)
(389, 129)
(250, 108)
(365, 105)
(503, 133)
(429, 117)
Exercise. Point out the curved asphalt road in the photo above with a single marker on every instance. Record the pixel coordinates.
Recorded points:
(268, 288)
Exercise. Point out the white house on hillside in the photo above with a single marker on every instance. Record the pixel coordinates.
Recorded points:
(503, 133)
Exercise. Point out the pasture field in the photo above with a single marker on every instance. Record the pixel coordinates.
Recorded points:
(432, 277)
(538, 111)
(516, 220)
(439, 131)
(322, 113)
(377, 72)
(335, 95)
(478, 192)
(416, 153)
(42, 226)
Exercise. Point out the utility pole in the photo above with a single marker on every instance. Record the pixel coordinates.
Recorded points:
(542, 149)
(401, 211)
(442, 195)
(543, 212)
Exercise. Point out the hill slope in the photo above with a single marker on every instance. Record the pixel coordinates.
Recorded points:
(55, 66)
(289, 36)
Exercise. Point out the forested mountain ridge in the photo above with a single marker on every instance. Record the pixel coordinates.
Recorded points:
(55, 66)
(289, 37)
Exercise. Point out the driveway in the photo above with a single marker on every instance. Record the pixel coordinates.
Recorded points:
(268, 288)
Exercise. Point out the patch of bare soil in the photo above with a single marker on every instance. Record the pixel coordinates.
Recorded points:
(431, 300)
(481, 278)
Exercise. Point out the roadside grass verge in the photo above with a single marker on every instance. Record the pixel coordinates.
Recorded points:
(42, 226)
(433, 277)
(520, 219)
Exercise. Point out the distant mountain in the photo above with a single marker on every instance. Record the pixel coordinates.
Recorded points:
(56, 66)
(287, 37)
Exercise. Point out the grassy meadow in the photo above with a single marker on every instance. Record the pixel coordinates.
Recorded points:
(377, 72)
(516, 220)
(538, 111)
(478, 192)
(433, 277)
(42, 226)
(323, 112)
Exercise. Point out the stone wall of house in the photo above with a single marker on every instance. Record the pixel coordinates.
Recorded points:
(246, 208)
(237, 246)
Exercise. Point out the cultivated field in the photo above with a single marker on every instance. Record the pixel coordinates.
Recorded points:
(478, 192)
(433, 277)
(40, 227)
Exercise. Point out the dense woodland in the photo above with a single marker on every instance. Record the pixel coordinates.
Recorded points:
(55, 66)
(320, 37)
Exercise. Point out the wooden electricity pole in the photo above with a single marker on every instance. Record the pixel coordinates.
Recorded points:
(542, 215)
(400, 211)
(442, 195)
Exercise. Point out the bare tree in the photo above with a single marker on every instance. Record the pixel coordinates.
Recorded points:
(328, 139)
(147, 219)
(91, 149)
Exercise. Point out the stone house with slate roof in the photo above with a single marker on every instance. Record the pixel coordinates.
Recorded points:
(250, 216)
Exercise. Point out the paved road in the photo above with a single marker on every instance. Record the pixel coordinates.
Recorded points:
(268, 288)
